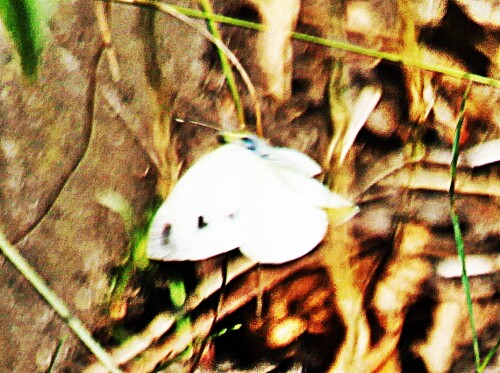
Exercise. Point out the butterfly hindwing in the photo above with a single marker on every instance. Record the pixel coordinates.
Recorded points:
(282, 222)
(293, 160)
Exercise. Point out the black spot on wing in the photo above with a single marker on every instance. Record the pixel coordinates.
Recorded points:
(201, 222)
(166, 233)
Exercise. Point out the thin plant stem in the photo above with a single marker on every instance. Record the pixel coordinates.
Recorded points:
(53, 360)
(456, 227)
(226, 67)
(348, 47)
(172, 11)
(56, 303)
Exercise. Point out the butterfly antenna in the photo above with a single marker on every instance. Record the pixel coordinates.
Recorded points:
(215, 128)
(224, 267)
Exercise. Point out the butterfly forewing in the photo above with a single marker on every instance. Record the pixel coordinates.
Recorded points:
(202, 212)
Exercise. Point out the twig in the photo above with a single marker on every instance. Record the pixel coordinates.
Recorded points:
(201, 325)
(102, 12)
(56, 303)
(164, 321)
(438, 179)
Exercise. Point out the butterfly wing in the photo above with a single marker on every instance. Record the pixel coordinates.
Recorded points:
(282, 223)
(200, 218)
(339, 209)
(278, 156)
(311, 189)
(293, 160)
(269, 206)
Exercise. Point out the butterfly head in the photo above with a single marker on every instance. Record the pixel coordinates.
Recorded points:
(246, 140)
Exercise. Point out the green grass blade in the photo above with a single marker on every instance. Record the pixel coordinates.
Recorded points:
(56, 303)
(22, 19)
(488, 357)
(52, 365)
(348, 47)
(456, 227)
(226, 66)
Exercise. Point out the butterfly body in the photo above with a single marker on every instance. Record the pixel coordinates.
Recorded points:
(247, 195)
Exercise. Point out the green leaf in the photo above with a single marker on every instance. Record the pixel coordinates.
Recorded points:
(177, 293)
(22, 19)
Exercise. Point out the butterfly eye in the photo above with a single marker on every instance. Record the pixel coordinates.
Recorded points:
(201, 222)
(249, 143)
(166, 233)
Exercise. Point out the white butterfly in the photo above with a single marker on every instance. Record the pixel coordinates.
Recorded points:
(249, 195)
